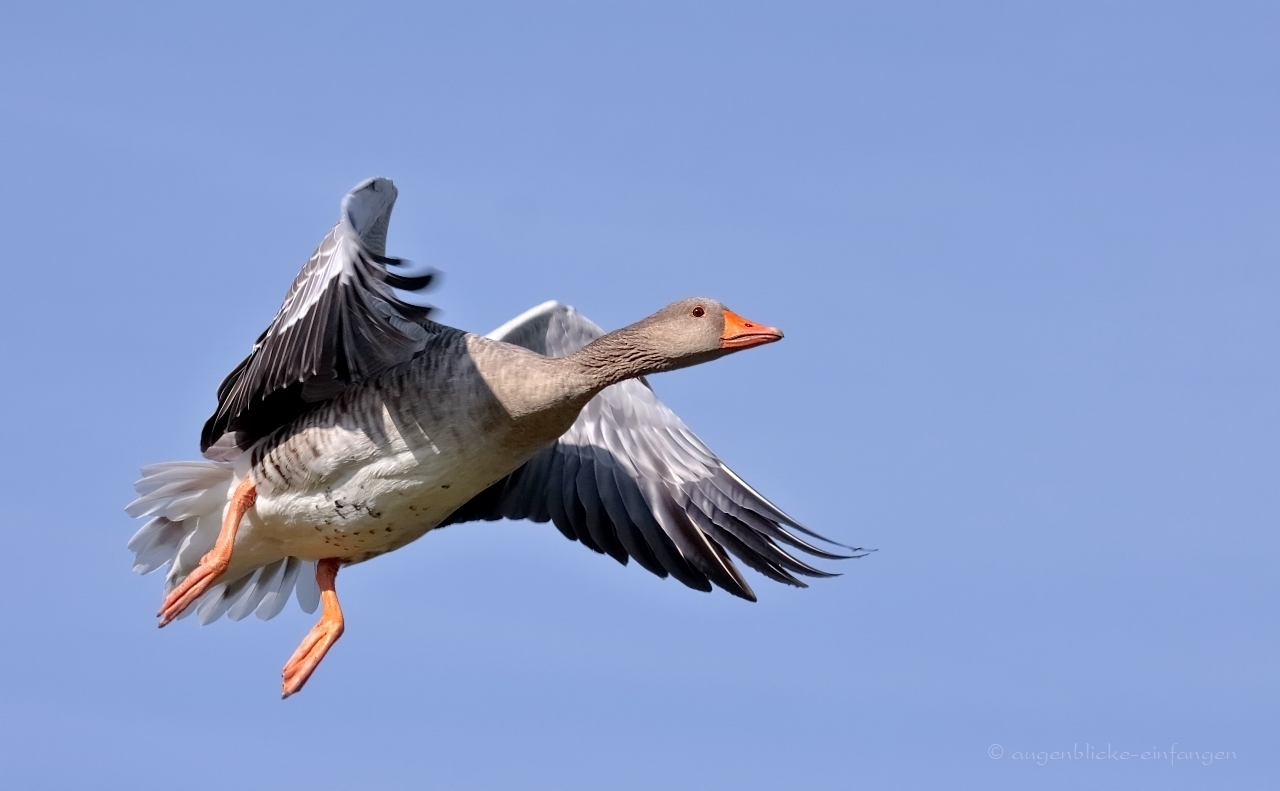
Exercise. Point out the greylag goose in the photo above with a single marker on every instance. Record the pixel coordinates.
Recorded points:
(357, 424)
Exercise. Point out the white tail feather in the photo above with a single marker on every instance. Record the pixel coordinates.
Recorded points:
(186, 501)
(307, 586)
(268, 577)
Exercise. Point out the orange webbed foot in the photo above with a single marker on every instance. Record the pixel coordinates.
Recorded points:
(321, 637)
(215, 561)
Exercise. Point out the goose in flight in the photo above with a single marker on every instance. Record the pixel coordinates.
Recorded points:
(357, 424)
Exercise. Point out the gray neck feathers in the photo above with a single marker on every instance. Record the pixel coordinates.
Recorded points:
(528, 384)
(620, 355)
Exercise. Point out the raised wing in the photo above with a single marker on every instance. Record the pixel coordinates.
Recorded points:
(351, 314)
(630, 480)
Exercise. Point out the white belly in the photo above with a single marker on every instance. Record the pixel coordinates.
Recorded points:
(372, 497)
(379, 507)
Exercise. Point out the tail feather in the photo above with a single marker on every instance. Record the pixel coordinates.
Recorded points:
(268, 579)
(276, 599)
(238, 591)
(186, 501)
(213, 604)
(308, 588)
(155, 544)
(156, 475)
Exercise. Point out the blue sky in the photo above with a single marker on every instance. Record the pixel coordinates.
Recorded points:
(1026, 259)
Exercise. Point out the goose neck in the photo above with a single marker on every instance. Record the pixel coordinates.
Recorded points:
(616, 357)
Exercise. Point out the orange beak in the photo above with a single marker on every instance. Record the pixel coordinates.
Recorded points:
(742, 334)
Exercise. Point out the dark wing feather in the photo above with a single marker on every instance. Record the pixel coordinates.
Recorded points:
(631, 480)
(351, 314)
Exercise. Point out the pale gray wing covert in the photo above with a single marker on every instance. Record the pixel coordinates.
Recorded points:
(629, 479)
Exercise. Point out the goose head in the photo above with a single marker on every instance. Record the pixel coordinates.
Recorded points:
(695, 330)
(684, 333)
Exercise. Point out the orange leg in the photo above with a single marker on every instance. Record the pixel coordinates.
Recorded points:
(215, 561)
(322, 636)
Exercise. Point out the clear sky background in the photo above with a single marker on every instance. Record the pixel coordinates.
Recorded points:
(1028, 261)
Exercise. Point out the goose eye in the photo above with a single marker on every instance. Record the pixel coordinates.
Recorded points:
(699, 312)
